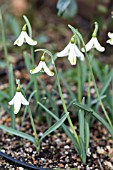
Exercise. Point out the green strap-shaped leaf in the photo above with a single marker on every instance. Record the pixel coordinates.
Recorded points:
(87, 131)
(54, 127)
(83, 151)
(104, 122)
(81, 122)
(83, 107)
(65, 128)
(18, 133)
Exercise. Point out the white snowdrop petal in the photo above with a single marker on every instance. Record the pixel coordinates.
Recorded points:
(11, 102)
(17, 102)
(110, 35)
(79, 53)
(64, 52)
(17, 106)
(20, 39)
(110, 41)
(47, 70)
(72, 60)
(29, 40)
(98, 46)
(89, 45)
(23, 100)
(72, 54)
(38, 68)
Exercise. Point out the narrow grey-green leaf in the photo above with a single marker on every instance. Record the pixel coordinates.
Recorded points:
(87, 131)
(81, 122)
(18, 133)
(84, 107)
(69, 134)
(83, 151)
(54, 127)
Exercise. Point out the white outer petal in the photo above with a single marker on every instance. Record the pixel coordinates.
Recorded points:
(79, 53)
(47, 70)
(89, 45)
(17, 102)
(20, 39)
(23, 100)
(110, 41)
(98, 46)
(12, 101)
(110, 35)
(72, 54)
(29, 40)
(64, 52)
(38, 68)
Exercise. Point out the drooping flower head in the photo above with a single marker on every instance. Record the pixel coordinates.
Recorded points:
(110, 41)
(72, 51)
(18, 99)
(24, 38)
(42, 67)
(94, 43)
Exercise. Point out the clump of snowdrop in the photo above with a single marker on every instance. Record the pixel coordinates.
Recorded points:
(24, 38)
(18, 99)
(94, 43)
(72, 51)
(42, 67)
(110, 41)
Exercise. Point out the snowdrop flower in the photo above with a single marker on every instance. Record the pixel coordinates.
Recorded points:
(42, 67)
(24, 38)
(110, 41)
(94, 43)
(72, 51)
(17, 100)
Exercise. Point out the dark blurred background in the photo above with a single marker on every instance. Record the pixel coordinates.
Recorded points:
(49, 20)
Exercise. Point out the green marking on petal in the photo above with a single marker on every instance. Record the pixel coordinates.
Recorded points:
(25, 40)
(15, 109)
(111, 40)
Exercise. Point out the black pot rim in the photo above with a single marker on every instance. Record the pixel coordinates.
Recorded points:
(16, 162)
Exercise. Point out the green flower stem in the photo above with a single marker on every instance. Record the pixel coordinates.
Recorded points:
(11, 92)
(9, 68)
(32, 54)
(89, 80)
(33, 61)
(34, 77)
(33, 126)
(79, 90)
(4, 41)
(101, 103)
(94, 82)
(95, 30)
(61, 95)
(64, 105)
(13, 124)
(89, 90)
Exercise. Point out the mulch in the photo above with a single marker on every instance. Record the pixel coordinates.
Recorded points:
(57, 151)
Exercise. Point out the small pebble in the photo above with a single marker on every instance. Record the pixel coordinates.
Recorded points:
(66, 147)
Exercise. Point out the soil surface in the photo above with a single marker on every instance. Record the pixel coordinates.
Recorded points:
(57, 151)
